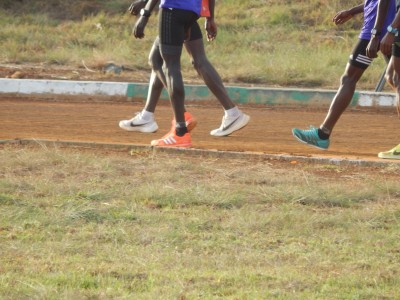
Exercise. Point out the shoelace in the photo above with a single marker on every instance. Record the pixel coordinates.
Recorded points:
(310, 134)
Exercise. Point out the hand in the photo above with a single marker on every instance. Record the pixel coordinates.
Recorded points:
(138, 29)
(373, 47)
(386, 43)
(211, 29)
(342, 17)
(136, 6)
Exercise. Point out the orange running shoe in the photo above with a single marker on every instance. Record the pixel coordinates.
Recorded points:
(173, 140)
(190, 121)
(190, 124)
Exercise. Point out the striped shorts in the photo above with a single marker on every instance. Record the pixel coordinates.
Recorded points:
(174, 28)
(359, 56)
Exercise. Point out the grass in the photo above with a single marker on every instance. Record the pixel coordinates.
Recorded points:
(77, 225)
(278, 43)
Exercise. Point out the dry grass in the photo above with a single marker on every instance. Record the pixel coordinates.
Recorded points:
(94, 225)
(278, 43)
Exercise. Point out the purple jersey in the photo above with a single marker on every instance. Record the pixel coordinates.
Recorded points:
(192, 5)
(370, 11)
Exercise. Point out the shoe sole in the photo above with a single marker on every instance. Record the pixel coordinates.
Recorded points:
(312, 145)
(234, 128)
(144, 129)
(172, 146)
(175, 146)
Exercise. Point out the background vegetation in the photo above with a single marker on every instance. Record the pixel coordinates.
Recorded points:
(261, 42)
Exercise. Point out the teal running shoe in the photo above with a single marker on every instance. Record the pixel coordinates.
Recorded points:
(310, 137)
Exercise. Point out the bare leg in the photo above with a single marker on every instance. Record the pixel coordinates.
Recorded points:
(390, 74)
(206, 70)
(392, 78)
(396, 81)
(175, 83)
(342, 98)
(157, 78)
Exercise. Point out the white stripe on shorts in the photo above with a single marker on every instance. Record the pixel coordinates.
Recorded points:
(364, 59)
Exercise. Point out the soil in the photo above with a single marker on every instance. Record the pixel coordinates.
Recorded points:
(360, 134)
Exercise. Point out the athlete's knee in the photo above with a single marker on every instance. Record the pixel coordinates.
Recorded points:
(346, 79)
(172, 72)
(389, 78)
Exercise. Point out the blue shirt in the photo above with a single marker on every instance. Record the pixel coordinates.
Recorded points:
(370, 12)
(191, 5)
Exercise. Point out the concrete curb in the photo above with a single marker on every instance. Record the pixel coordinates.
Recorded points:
(133, 149)
(241, 95)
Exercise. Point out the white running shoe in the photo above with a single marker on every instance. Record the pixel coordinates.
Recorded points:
(137, 123)
(231, 124)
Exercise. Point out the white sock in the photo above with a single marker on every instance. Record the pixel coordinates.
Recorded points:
(146, 115)
(233, 112)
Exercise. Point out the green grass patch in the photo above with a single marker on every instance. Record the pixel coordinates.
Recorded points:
(91, 225)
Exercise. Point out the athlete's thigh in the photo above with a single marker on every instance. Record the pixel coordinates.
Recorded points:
(195, 46)
(195, 32)
(396, 55)
(358, 57)
(173, 25)
(195, 49)
(352, 73)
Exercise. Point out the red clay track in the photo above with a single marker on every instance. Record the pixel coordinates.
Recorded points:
(360, 134)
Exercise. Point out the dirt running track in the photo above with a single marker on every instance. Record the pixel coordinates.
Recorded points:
(360, 134)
